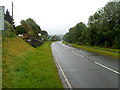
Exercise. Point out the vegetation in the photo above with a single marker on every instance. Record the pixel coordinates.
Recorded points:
(9, 18)
(31, 31)
(102, 51)
(30, 27)
(24, 66)
(9, 30)
(27, 67)
(103, 28)
(20, 30)
(0, 59)
(55, 38)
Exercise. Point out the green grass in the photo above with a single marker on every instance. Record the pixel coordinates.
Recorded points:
(0, 61)
(28, 67)
(102, 51)
(106, 49)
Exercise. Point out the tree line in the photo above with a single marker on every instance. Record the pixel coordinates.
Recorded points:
(32, 29)
(28, 27)
(103, 28)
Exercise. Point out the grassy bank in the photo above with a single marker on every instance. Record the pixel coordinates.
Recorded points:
(102, 51)
(0, 61)
(27, 67)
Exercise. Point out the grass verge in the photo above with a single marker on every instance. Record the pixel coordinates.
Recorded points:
(27, 67)
(102, 51)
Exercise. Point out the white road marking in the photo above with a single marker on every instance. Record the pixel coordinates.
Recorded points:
(64, 75)
(73, 51)
(77, 54)
(73, 48)
(107, 67)
(65, 45)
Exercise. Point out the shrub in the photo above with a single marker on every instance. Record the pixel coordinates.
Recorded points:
(117, 42)
(107, 44)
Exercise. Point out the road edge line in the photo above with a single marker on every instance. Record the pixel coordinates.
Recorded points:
(62, 72)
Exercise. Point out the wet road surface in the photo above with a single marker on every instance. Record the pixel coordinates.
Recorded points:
(84, 69)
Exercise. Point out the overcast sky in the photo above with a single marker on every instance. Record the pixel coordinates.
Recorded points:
(54, 16)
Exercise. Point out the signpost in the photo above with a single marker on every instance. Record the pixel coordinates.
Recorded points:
(1, 17)
(1, 28)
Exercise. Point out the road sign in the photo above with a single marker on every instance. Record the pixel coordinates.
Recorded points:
(1, 17)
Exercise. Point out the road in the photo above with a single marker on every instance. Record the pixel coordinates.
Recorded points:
(83, 69)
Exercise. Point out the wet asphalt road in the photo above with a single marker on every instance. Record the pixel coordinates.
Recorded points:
(84, 69)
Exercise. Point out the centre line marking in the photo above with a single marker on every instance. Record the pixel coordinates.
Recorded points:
(78, 54)
(107, 67)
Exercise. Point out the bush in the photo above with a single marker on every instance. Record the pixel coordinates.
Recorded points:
(8, 34)
(107, 44)
(117, 42)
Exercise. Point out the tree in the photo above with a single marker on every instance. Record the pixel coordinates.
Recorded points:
(43, 32)
(55, 38)
(74, 34)
(9, 18)
(105, 22)
(30, 27)
(20, 30)
(36, 28)
(103, 28)
(27, 28)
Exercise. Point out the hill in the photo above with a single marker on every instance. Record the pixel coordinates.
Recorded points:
(27, 67)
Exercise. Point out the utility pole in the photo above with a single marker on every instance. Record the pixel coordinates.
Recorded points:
(12, 13)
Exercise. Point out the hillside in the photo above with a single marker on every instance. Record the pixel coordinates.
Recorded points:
(28, 67)
(14, 46)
